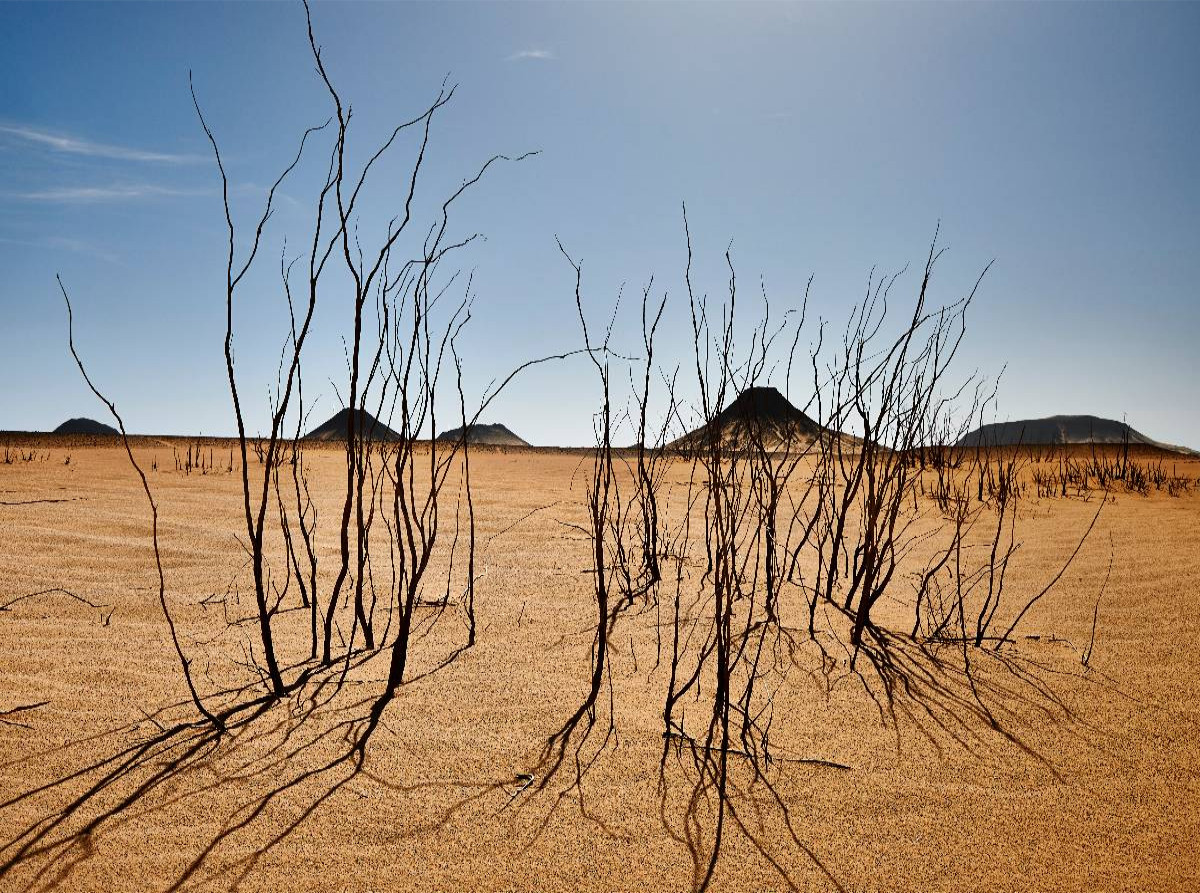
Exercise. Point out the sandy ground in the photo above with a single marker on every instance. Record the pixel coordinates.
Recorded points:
(1087, 781)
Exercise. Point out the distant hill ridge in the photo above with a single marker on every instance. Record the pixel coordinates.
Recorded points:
(756, 412)
(85, 426)
(494, 435)
(1060, 429)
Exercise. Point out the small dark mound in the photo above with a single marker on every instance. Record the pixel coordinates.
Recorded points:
(85, 426)
(365, 424)
(758, 412)
(494, 435)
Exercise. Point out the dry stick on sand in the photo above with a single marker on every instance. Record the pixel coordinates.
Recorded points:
(40, 501)
(1086, 657)
(58, 589)
(162, 584)
(1096, 517)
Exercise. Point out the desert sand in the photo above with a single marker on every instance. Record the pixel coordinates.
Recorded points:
(1084, 780)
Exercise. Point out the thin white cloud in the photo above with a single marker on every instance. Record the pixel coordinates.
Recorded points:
(104, 193)
(59, 243)
(530, 54)
(61, 143)
(258, 191)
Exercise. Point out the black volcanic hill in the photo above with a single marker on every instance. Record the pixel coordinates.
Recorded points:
(1055, 430)
(338, 427)
(495, 435)
(85, 426)
(757, 411)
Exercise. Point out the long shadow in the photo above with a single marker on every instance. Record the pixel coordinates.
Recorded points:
(978, 701)
(170, 768)
(313, 745)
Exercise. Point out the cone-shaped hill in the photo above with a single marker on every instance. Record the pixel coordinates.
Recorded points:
(85, 426)
(1055, 430)
(338, 427)
(494, 435)
(758, 412)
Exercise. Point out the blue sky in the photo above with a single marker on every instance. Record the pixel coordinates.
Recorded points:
(820, 140)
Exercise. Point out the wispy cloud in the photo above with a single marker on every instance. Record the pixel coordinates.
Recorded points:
(258, 191)
(59, 243)
(105, 193)
(530, 54)
(58, 142)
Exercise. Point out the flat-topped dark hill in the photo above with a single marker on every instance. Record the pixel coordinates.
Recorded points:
(757, 413)
(85, 426)
(492, 435)
(365, 424)
(1058, 429)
